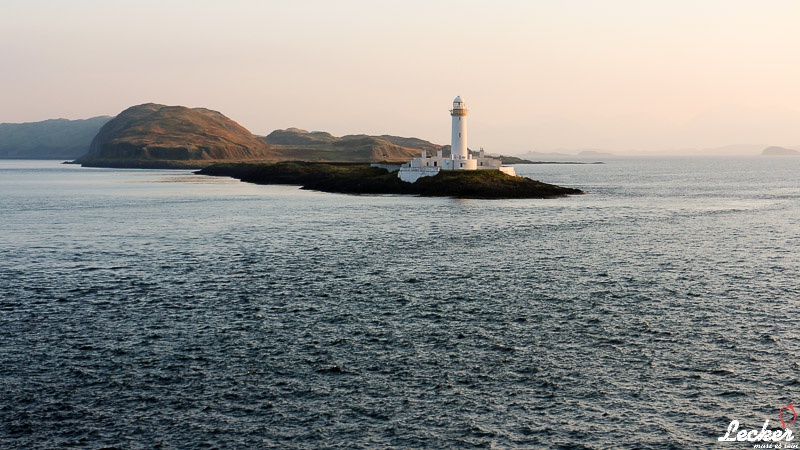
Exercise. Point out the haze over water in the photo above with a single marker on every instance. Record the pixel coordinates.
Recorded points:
(161, 309)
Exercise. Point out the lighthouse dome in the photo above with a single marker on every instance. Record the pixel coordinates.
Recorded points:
(458, 100)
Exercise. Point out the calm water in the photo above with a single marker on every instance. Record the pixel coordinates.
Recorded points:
(143, 309)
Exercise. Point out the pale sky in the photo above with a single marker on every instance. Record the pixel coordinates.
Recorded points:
(618, 75)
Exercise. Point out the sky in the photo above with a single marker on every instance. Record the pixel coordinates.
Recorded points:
(616, 75)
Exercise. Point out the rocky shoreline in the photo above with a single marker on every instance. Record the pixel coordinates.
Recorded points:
(363, 179)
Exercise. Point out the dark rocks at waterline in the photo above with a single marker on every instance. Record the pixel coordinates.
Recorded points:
(364, 179)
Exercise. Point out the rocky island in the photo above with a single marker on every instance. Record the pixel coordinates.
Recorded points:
(365, 179)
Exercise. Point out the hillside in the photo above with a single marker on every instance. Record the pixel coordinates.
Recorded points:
(153, 135)
(296, 136)
(412, 142)
(49, 139)
(297, 144)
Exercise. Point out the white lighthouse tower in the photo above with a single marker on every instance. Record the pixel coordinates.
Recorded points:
(458, 141)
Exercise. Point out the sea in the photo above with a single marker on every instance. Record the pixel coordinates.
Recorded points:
(146, 309)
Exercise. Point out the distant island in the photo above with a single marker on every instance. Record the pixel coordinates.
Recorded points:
(533, 155)
(350, 178)
(49, 139)
(779, 151)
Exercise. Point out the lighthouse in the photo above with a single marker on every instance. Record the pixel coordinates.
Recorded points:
(458, 141)
(459, 159)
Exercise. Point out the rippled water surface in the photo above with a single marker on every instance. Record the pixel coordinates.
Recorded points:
(143, 309)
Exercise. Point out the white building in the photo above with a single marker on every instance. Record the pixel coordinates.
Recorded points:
(459, 159)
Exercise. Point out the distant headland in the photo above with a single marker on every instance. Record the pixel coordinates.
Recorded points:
(48, 139)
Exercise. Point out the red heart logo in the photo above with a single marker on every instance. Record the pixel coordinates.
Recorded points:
(780, 415)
